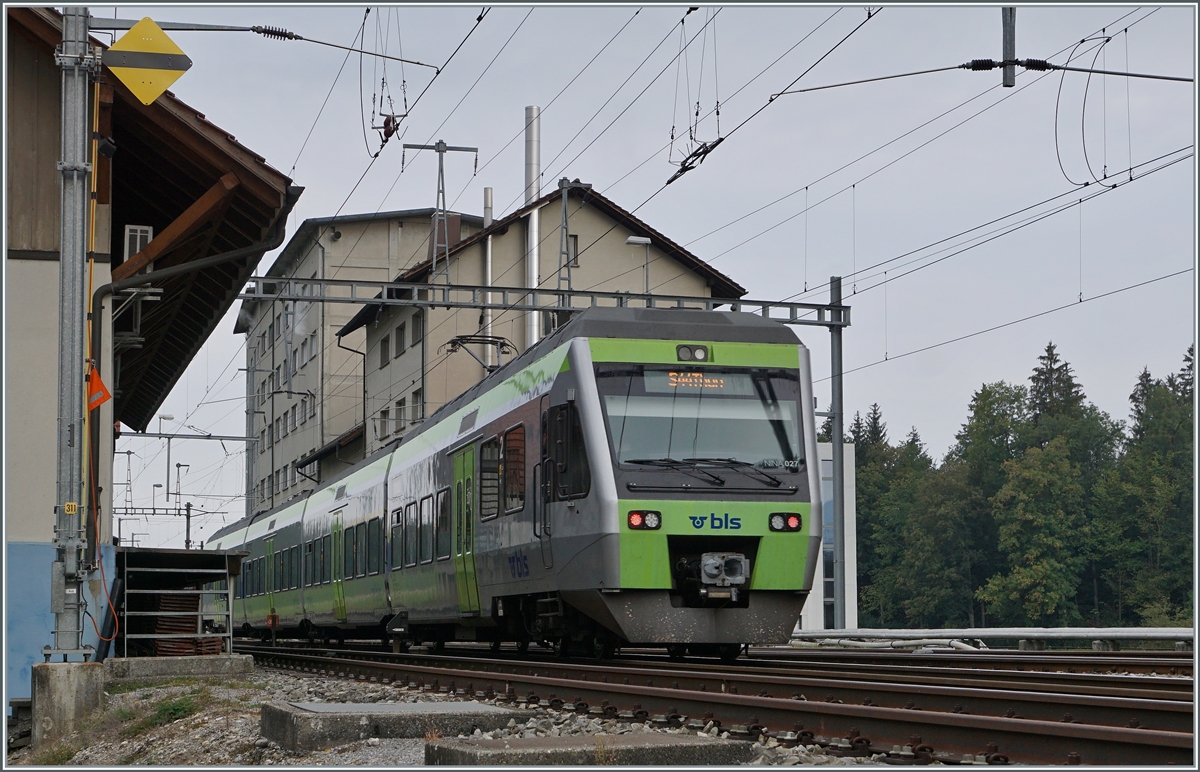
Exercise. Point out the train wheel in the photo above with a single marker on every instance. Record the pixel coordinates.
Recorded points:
(495, 646)
(561, 648)
(676, 651)
(601, 647)
(522, 647)
(728, 652)
(439, 646)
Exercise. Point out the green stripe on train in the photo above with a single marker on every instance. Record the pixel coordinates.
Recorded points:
(778, 565)
(664, 352)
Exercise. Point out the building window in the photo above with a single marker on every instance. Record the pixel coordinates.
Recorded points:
(312, 408)
(262, 440)
(400, 338)
(385, 423)
(293, 412)
(400, 407)
(384, 354)
(303, 409)
(418, 407)
(278, 325)
(283, 426)
(277, 434)
(417, 329)
(136, 239)
(295, 362)
(271, 331)
(312, 347)
(303, 351)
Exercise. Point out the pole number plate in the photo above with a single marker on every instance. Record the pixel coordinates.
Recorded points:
(71, 508)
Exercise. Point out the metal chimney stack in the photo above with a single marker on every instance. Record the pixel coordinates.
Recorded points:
(533, 174)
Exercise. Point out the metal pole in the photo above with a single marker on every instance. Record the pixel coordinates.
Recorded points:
(76, 59)
(839, 472)
(187, 536)
(533, 180)
(487, 273)
(1009, 19)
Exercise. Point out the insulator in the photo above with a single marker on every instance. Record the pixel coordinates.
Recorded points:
(275, 32)
(1036, 64)
(983, 64)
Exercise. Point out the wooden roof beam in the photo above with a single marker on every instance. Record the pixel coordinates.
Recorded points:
(212, 203)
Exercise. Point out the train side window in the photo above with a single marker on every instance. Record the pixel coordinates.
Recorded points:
(427, 529)
(468, 516)
(397, 539)
(308, 563)
(295, 551)
(277, 577)
(326, 557)
(563, 444)
(489, 479)
(443, 524)
(373, 528)
(513, 471)
(348, 553)
(361, 552)
(411, 535)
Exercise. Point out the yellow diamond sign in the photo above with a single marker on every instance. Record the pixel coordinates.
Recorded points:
(146, 60)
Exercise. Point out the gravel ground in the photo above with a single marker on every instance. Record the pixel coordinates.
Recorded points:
(192, 722)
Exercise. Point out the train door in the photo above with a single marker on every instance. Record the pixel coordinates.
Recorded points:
(541, 501)
(269, 585)
(464, 531)
(338, 563)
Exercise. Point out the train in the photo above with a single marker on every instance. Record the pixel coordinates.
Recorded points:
(640, 476)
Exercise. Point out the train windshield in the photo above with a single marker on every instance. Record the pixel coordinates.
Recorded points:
(702, 414)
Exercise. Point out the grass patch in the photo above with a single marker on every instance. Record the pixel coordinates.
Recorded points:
(56, 755)
(167, 711)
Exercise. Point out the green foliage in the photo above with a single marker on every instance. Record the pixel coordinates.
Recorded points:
(56, 755)
(1045, 511)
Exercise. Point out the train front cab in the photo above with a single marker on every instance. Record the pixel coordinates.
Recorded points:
(705, 553)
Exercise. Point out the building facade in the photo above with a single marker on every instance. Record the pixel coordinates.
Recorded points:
(304, 384)
(169, 189)
(411, 363)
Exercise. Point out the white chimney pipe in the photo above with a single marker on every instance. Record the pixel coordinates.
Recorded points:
(533, 174)
(487, 273)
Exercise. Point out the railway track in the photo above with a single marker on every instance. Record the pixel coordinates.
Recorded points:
(1111, 719)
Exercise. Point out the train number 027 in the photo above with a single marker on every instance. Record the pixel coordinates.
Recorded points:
(518, 565)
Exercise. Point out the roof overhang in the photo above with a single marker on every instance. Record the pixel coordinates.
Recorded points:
(168, 159)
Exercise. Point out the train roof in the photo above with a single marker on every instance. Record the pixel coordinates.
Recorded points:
(635, 323)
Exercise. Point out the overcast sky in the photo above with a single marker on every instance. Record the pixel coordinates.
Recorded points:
(886, 174)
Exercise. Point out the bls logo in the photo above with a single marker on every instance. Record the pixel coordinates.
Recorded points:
(716, 522)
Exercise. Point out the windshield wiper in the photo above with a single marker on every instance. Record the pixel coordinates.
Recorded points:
(674, 463)
(741, 466)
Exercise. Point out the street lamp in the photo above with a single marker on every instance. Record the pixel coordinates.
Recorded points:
(645, 242)
(119, 521)
(179, 487)
(154, 498)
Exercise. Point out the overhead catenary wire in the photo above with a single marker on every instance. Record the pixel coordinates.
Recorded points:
(1072, 304)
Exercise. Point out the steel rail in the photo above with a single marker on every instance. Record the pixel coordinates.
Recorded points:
(1027, 740)
(1011, 698)
(1028, 661)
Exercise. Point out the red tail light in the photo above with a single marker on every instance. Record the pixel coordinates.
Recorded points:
(645, 520)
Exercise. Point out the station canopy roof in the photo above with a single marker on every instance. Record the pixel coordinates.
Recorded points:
(180, 174)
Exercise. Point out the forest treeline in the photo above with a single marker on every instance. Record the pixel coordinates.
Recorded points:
(1045, 512)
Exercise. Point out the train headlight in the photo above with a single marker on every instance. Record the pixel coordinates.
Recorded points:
(691, 353)
(642, 520)
(785, 521)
